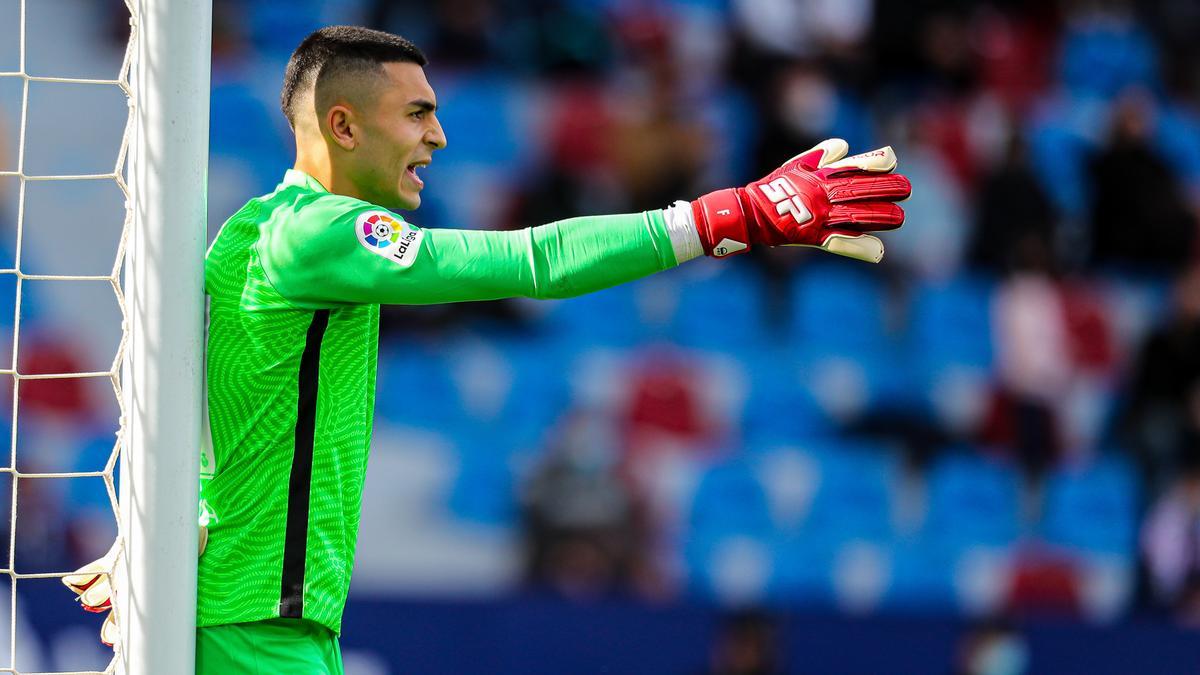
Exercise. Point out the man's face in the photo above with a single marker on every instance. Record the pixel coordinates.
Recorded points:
(400, 131)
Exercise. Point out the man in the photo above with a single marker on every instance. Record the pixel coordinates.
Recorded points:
(295, 280)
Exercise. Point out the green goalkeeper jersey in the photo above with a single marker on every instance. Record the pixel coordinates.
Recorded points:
(295, 279)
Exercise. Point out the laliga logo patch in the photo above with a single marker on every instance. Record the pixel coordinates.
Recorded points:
(384, 234)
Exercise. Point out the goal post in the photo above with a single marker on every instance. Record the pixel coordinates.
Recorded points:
(162, 377)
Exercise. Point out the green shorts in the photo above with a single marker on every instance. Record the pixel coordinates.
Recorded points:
(268, 648)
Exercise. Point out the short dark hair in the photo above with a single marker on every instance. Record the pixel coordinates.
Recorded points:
(337, 50)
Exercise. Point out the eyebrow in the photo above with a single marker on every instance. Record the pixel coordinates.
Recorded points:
(424, 104)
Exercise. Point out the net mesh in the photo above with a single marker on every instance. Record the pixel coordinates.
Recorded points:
(118, 176)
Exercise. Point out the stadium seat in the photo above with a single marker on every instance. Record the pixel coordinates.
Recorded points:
(608, 318)
(730, 499)
(951, 323)
(850, 509)
(481, 107)
(538, 395)
(726, 545)
(1093, 510)
(484, 488)
(848, 380)
(973, 501)
(853, 498)
(721, 310)
(838, 304)
(803, 572)
(779, 407)
(922, 578)
(415, 387)
(277, 26)
(243, 134)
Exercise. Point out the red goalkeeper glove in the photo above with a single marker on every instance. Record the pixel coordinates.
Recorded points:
(818, 198)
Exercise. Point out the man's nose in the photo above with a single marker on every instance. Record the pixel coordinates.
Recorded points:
(436, 138)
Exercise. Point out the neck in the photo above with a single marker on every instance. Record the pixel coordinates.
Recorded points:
(316, 166)
(319, 166)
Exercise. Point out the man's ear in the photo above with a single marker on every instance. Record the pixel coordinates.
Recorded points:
(342, 127)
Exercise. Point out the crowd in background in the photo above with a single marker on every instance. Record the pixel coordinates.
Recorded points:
(1001, 417)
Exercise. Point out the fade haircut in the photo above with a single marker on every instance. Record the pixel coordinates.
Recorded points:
(337, 51)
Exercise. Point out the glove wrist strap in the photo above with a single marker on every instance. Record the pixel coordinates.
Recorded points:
(721, 222)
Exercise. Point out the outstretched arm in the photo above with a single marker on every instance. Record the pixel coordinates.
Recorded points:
(345, 251)
(366, 255)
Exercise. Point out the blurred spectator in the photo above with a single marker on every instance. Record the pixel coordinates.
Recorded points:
(664, 408)
(1011, 208)
(747, 644)
(1043, 583)
(1139, 213)
(658, 148)
(936, 229)
(45, 354)
(1014, 50)
(1171, 547)
(1163, 409)
(1055, 355)
(581, 525)
(1034, 360)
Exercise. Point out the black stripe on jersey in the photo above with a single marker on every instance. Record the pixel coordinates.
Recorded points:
(295, 543)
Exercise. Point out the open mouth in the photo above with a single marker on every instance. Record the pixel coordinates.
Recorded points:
(412, 172)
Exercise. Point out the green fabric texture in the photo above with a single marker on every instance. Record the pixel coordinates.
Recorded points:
(289, 261)
(268, 647)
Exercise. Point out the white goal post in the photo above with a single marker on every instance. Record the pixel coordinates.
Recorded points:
(162, 378)
(157, 372)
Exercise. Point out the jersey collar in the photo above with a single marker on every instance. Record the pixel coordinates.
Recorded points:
(298, 177)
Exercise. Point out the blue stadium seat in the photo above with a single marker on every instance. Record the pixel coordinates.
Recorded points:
(539, 394)
(607, 318)
(838, 303)
(730, 500)
(922, 578)
(848, 380)
(721, 311)
(729, 509)
(779, 407)
(243, 130)
(951, 322)
(480, 106)
(853, 499)
(803, 572)
(484, 489)
(277, 26)
(1093, 510)
(415, 387)
(973, 501)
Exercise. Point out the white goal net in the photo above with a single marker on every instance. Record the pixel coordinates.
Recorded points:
(103, 140)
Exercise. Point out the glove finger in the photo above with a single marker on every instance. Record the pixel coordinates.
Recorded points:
(820, 155)
(853, 245)
(109, 634)
(867, 187)
(98, 596)
(882, 160)
(866, 216)
(81, 580)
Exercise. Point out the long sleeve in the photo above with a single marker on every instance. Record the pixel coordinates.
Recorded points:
(335, 255)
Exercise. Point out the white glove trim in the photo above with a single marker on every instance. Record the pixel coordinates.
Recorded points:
(681, 227)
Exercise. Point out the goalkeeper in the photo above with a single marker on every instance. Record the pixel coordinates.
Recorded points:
(296, 278)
